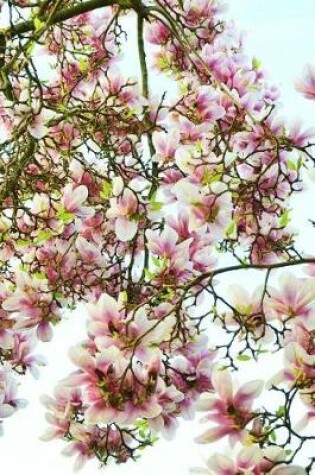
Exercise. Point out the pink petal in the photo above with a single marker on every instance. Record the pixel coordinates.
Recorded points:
(12, 303)
(82, 359)
(211, 435)
(247, 392)
(125, 229)
(6, 410)
(44, 332)
(99, 413)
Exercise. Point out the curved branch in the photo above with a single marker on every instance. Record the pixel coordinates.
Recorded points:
(269, 267)
(65, 14)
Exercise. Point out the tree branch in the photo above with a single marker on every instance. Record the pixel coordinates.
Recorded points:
(269, 267)
(65, 14)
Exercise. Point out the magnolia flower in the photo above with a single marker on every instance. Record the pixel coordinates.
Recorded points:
(174, 264)
(22, 353)
(166, 422)
(60, 409)
(32, 304)
(219, 464)
(90, 253)
(249, 312)
(306, 85)
(156, 33)
(165, 145)
(299, 365)
(123, 209)
(9, 402)
(249, 461)
(105, 317)
(295, 298)
(38, 116)
(298, 136)
(207, 107)
(288, 470)
(85, 440)
(73, 198)
(112, 393)
(231, 410)
(109, 325)
(204, 207)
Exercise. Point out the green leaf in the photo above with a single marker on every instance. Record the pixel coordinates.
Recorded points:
(210, 177)
(153, 438)
(281, 411)
(231, 229)
(30, 48)
(22, 242)
(291, 165)
(299, 163)
(142, 423)
(38, 24)
(285, 218)
(65, 216)
(107, 190)
(83, 65)
(256, 63)
(156, 206)
(223, 368)
(148, 274)
(261, 350)
(243, 358)
(39, 275)
(199, 146)
(124, 296)
(42, 236)
(162, 62)
(156, 261)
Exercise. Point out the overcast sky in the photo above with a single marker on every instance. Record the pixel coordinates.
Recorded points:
(281, 33)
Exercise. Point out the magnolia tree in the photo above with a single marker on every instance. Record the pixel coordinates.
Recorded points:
(139, 202)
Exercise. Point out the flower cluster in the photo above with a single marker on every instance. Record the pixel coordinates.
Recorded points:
(126, 374)
(136, 202)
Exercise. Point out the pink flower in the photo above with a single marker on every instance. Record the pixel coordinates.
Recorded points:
(105, 317)
(156, 33)
(73, 198)
(86, 438)
(300, 137)
(165, 144)
(113, 393)
(232, 411)
(22, 356)
(124, 209)
(251, 461)
(90, 253)
(306, 85)
(174, 263)
(219, 464)
(289, 470)
(110, 325)
(61, 408)
(9, 402)
(249, 314)
(299, 368)
(295, 298)
(33, 305)
(205, 207)
(208, 108)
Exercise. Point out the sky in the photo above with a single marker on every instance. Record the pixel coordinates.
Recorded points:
(281, 34)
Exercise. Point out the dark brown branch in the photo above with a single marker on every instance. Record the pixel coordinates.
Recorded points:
(65, 14)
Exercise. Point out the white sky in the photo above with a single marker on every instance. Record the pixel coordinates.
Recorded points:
(281, 33)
